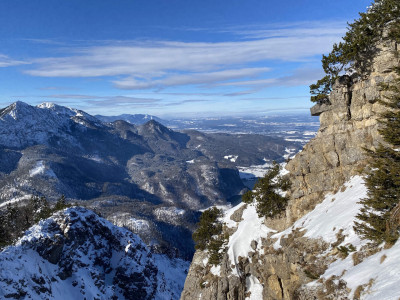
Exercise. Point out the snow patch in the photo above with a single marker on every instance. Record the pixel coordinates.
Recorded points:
(336, 213)
(95, 158)
(254, 287)
(231, 158)
(251, 228)
(385, 275)
(41, 169)
(254, 171)
(216, 270)
(289, 153)
(310, 133)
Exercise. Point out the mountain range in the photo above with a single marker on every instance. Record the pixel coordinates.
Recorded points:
(147, 177)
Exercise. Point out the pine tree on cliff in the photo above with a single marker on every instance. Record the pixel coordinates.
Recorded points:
(381, 209)
(354, 54)
(208, 227)
(209, 236)
(267, 193)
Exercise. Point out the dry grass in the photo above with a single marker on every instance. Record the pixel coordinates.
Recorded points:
(383, 258)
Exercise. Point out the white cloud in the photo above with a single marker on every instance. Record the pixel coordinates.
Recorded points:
(190, 78)
(304, 76)
(299, 29)
(157, 64)
(105, 100)
(5, 61)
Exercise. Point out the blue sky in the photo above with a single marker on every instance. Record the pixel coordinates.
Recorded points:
(168, 58)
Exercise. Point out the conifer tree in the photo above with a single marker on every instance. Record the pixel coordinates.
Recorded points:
(266, 193)
(11, 221)
(4, 234)
(61, 203)
(209, 235)
(208, 227)
(356, 51)
(383, 181)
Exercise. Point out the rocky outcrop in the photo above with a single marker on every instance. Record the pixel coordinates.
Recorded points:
(75, 254)
(348, 126)
(281, 268)
(319, 108)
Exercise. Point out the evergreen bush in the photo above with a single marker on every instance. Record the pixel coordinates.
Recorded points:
(267, 193)
(377, 222)
(209, 235)
(355, 53)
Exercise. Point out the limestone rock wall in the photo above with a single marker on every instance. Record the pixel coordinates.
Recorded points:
(347, 125)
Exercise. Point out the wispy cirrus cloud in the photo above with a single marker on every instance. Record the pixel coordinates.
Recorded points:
(303, 76)
(158, 64)
(297, 77)
(178, 103)
(6, 61)
(189, 78)
(295, 29)
(105, 100)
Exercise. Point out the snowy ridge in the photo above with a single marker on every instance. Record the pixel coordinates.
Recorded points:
(22, 124)
(75, 255)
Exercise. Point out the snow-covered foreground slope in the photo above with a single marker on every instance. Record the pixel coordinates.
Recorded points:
(326, 229)
(77, 255)
(335, 214)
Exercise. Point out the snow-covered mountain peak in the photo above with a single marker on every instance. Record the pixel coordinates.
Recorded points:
(75, 254)
(67, 111)
(47, 105)
(15, 110)
(23, 124)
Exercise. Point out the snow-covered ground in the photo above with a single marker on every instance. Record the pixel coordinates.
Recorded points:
(254, 171)
(380, 272)
(251, 228)
(231, 158)
(336, 213)
(41, 169)
(77, 255)
(255, 288)
(126, 220)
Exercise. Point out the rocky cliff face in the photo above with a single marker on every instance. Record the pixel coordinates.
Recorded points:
(348, 125)
(293, 256)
